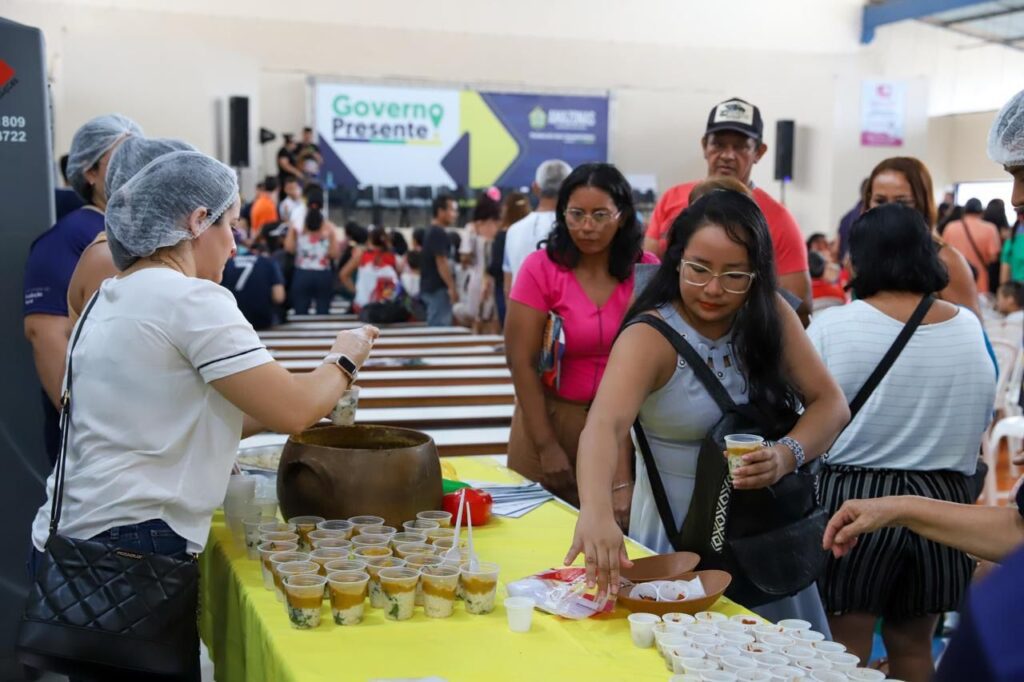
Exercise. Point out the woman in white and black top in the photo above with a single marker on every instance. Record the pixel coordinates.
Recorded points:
(168, 374)
(917, 434)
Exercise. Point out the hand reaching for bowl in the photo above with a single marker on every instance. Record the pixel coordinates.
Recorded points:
(599, 538)
(356, 343)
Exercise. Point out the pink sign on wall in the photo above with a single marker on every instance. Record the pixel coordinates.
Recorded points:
(882, 113)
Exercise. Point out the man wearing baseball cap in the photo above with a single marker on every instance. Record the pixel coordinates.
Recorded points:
(732, 144)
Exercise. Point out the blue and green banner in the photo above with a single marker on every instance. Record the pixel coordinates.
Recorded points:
(384, 135)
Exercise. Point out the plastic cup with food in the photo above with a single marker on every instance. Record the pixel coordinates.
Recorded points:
(251, 529)
(442, 517)
(739, 444)
(277, 527)
(347, 592)
(479, 587)
(304, 593)
(399, 587)
(265, 505)
(681, 618)
(345, 566)
(321, 557)
(332, 543)
(418, 561)
(420, 525)
(368, 539)
(267, 550)
(405, 549)
(748, 621)
(438, 585)
(379, 530)
(374, 565)
(344, 412)
(283, 569)
(304, 525)
(337, 524)
(360, 522)
(368, 552)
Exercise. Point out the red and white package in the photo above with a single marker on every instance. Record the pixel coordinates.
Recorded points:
(563, 592)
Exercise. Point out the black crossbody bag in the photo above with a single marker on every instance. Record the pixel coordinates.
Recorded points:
(101, 611)
(768, 539)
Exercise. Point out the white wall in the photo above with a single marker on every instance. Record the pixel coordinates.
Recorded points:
(664, 62)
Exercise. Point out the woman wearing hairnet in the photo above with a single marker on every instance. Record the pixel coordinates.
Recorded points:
(986, 645)
(167, 373)
(55, 253)
(96, 263)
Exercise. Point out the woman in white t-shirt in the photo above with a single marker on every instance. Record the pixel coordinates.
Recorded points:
(917, 434)
(168, 374)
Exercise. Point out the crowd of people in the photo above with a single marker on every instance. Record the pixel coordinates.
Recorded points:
(862, 361)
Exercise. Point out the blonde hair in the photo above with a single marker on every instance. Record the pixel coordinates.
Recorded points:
(717, 182)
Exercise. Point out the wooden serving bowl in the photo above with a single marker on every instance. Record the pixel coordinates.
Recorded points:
(715, 583)
(661, 567)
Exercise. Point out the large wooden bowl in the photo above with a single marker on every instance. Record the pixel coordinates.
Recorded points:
(661, 567)
(342, 471)
(715, 583)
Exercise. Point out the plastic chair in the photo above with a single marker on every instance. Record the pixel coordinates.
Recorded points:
(1011, 428)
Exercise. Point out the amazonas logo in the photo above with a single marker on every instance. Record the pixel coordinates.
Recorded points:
(386, 122)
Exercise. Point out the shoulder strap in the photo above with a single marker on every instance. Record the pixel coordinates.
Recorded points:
(974, 245)
(890, 355)
(657, 486)
(65, 419)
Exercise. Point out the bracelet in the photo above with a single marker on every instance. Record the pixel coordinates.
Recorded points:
(620, 486)
(795, 448)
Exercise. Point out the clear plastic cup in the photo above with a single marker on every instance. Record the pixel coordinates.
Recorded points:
(304, 525)
(337, 524)
(374, 565)
(865, 675)
(304, 594)
(519, 612)
(345, 566)
(241, 490)
(332, 543)
(418, 561)
(698, 666)
(360, 522)
(367, 539)
(267, 550)
(408, 548)
(321, 557)
(828, 676)
(810, 665)
(641, 629)
(442, 517)
(676, 654)
(479, 587)
(283, 569)
(777, 643)
(736, 664)
(717, 653)
(399, 587)
(344, 412)
(770, 660)
(756, 675)
(739, 640)
(717, 676)
(739, 444)
(842, 662)
(788, 672)
(797, 652)
(265, 505)
(386, 531)
(325, 534)
(443, 548)
(435, 534)
(438, 584)
(251, 528)
(420, 525)
(279, 537)
(664, 643)
(765, 629)
(683, 677)
(404, 537)
(347, 593)
(366, 552)
(277, 527)
(808, 637)
(694, 629)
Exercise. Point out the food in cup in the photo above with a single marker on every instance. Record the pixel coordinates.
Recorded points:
(344, 412)
(368, 551)
(286, 566)
(387, 531)
(747, 621)
(267, 550)
(360, 522)
(438, 584)
(304, 594)
(337, 524)
(418, 561)
(304, 525)
(479, 587)
(277, 527)
(435, 534)
(420, 526)
(444, 518)
(321, 557)
(347, 591)
(251, 529)
(404, 550)
(739, 444)
(374, 565)
(406, 537)
(398, 585)
(345, 566)
(367, 539)
(681, 618)
(332, 543)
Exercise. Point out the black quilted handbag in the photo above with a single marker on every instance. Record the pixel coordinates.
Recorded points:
(102, 612)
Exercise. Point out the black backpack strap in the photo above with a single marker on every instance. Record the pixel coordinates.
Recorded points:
(657, 486)
(890, 356)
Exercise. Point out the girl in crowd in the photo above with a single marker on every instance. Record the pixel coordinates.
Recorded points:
(905, 180)
(716, 287)
(314, 248)
(476, 303)
(584, 276)
(377, 271)
(147, 473)
(514, 207)
(917, 434)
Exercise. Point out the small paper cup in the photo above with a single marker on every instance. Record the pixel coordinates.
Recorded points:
(842, 662)
(641, 629)
(304, 593)
(680, 618)
(791, 624)
(344, 412)
(824, 647)
(736, 664)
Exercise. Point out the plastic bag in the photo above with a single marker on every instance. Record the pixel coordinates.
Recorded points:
(563, 592)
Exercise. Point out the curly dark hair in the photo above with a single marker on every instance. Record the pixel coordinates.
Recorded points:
(757, 329)
(627, 245)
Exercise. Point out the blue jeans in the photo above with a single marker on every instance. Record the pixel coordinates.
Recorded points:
(312, 285)
(439, 307)
(149, 537)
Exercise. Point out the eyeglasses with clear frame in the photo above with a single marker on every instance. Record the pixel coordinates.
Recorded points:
(734, 282)
(577, 217)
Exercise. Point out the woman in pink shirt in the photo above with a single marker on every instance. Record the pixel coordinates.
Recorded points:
(585, 276)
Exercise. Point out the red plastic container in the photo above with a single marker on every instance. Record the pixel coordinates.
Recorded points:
(478, 501)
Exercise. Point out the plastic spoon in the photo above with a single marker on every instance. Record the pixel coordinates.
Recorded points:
(458, 525)
(473, 563)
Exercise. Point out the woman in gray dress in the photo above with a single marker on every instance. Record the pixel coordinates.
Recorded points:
(716, 287)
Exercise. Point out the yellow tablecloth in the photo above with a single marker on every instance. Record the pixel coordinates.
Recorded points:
(249, 636)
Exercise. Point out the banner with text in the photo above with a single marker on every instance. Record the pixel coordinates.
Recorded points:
(384, 135)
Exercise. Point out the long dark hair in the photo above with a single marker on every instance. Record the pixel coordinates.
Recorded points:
(314, 212)
(627, 245)
(757, 329)
(892, 249)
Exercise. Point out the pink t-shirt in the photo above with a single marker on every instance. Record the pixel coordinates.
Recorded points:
(589, 330)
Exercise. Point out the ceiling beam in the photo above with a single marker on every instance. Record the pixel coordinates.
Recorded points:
(980, 17)
(892, 11)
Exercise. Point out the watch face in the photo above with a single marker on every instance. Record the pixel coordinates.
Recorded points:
(346, 364)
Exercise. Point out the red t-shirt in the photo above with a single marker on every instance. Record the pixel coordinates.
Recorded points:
(821, 288)
(787, 240)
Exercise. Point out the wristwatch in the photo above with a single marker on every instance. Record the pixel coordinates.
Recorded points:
(344, 363)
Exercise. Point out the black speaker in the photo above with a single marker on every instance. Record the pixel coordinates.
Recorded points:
(238, 132)
(785, 131)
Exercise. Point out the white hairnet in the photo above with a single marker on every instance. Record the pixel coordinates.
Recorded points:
(92, 141)
(551, 174)
(1006, 138)
(151, 210)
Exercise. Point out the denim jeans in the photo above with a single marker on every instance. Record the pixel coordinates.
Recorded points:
(439, 307)
(312, 285)
(149, 537)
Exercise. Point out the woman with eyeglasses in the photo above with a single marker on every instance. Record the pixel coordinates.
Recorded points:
(717, 288)
(584, 277)
(906, 180)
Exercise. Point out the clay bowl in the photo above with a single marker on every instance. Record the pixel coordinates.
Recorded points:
(661, 567)
(341, 471)
(715, 584)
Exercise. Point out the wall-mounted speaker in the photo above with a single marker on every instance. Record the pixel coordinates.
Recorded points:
(785, 132)
(238, 132)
